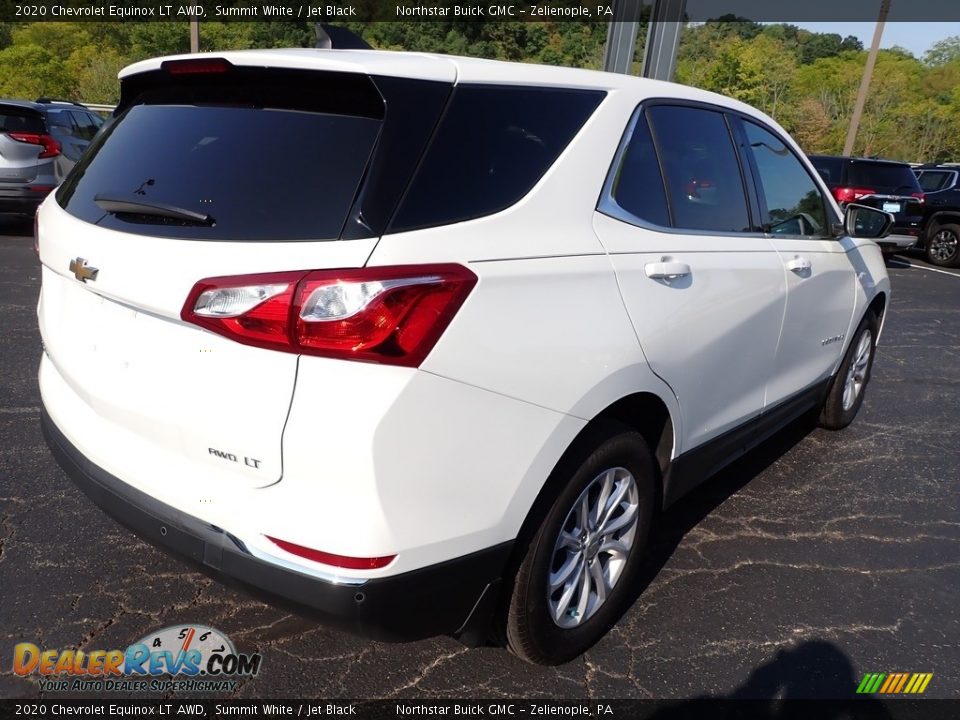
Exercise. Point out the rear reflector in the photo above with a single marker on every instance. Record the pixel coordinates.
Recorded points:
(392, 315)
(198, 66)
(341, 561)
(51, 148)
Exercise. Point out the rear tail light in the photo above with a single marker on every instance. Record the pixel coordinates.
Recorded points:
(850, 194)
(51, 148)
(342, 561)
(392, 315)
(919, 196)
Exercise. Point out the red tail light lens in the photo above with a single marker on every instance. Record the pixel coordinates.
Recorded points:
(850, 194)
(392, 315)
(921, 198)
(342, 561)
(51, 148)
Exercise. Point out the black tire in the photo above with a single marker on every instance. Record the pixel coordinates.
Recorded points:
(943, 246)
(835, 414)
(532, 633)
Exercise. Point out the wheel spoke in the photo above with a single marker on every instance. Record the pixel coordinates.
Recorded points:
(613, 503)
(585, 513)
(569, 541)
(566, 571)
(605, 490)
(623, 520)
(616, 548)
(599, 580)
(563, 604)
(585, 587)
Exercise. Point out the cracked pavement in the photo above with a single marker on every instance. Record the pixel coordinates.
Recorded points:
(815, 559)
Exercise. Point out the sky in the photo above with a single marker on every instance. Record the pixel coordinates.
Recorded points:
(917, 37)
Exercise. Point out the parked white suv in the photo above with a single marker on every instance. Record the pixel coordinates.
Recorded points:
(422, 343)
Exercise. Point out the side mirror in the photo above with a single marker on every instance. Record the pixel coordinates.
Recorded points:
(866, 222)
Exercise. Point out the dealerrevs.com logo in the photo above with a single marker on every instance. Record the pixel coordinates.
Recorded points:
(191, 658)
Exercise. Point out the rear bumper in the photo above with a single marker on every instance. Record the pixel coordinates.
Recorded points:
(897, 242)
(456, 597)
(21, 205)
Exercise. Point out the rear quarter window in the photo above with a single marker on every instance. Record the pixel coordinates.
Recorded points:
(493, 144)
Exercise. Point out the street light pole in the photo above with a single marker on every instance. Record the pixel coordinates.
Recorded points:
(865, 80)
(194, 34)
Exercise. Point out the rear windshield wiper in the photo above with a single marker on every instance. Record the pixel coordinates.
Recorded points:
(117, 205)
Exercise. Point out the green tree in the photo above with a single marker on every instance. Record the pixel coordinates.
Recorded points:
(29, 71)
(943, 51)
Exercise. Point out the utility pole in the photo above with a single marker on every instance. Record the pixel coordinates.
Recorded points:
(194, 33)
(865, 81)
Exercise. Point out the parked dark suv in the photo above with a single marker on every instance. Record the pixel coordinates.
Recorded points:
(940, 233)
(884, 184)
(39, 144)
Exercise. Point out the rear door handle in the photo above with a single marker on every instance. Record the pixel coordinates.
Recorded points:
(799, 264)
(666, 269)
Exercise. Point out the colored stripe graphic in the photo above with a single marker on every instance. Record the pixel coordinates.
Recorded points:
(894, 683)
(891, 682)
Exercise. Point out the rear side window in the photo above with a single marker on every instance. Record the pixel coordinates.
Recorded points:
(934, 180)
(87, 124)
(700, 168)
(830, 169)
(492, 146)
(14, 119)
(277, 157)
(794, 204)
(888, 177)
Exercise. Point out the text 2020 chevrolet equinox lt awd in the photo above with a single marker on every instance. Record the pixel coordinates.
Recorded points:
(422, 343)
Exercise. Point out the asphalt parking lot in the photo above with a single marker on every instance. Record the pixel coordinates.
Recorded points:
(814, 560)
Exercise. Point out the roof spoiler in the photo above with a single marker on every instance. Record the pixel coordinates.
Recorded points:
(338, 38)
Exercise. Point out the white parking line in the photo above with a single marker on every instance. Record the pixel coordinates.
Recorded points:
(904, 264)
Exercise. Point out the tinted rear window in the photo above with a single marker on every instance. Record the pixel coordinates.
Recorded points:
(492, 146)
(14, 119)
(890, 177)
(265, 162)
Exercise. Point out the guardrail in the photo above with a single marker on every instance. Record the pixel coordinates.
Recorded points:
(97, 107)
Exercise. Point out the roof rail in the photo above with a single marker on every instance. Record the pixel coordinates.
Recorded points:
(47, 101)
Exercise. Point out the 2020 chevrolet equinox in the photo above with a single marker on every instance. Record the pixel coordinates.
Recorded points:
(422, 343)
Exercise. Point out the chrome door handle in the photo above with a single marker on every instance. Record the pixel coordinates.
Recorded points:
(799, 265)
(666, 269)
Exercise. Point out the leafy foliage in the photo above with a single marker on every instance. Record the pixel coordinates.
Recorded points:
(807, 81)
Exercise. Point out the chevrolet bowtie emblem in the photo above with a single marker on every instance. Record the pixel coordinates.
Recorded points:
(81, 271)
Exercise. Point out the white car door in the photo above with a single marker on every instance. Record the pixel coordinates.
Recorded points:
(704, 288)
(821, 281)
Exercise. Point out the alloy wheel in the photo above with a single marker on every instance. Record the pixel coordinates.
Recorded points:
(943, 246)
(591, 551)
(857, 374)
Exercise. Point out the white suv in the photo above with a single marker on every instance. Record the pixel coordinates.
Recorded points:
(421, 343)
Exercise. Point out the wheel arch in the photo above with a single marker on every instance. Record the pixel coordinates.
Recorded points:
(938, 220)
(645, 412)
